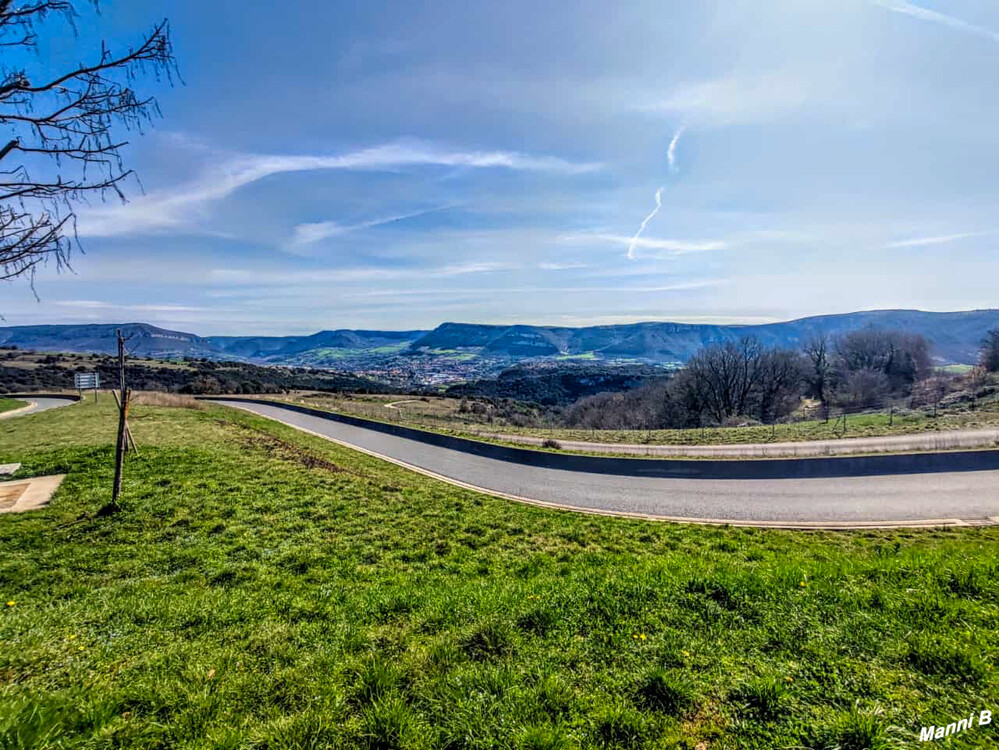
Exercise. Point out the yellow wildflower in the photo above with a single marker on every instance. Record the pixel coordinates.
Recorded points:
(11, 603)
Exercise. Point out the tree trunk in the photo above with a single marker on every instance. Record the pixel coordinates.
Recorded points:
(120, 446)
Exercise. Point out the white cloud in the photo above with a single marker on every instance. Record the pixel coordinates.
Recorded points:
(934, 240)
(734, 99)
(171, 209)
(273, 277)
(89, 304)
(676, 247)
(312, 232)
(925, 14)
(459, 269)
(560, 266)
(306, 234)
(671, 150)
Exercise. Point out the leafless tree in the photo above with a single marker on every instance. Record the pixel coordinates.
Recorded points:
(903, 358)
(932, 391)
(863, 388)
(819, 380)
(990, 351)
(63, 143)
(779, 384)
(721, 378)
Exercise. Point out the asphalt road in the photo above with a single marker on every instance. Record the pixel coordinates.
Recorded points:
(40, 403)
(971, 497)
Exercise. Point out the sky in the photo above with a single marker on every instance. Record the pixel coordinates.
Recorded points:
(398, 164)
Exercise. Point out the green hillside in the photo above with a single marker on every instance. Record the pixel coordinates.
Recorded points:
(263, 588)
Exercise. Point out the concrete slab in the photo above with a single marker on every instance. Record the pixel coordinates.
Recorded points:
(9, 469)
(28, 494)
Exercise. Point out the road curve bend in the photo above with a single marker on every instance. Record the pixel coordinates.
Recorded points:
(939, 497)
(37, 403)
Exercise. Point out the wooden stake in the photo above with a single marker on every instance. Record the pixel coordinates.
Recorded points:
(122, 399)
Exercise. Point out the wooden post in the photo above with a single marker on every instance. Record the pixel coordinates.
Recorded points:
(121, 445)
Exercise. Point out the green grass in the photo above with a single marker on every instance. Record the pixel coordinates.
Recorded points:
(442, 415)
(263, 588)
(9, 404)
(956, 369)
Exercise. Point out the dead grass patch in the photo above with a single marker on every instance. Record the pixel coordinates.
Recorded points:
(170, 400)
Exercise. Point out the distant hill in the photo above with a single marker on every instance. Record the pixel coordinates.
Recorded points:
(149, 341)
(955, 338)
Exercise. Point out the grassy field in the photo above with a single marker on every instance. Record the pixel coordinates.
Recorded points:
(442, 414)
(9, 404)
(263, 588)
(30, 360)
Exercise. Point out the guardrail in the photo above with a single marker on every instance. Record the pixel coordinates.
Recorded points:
(769, 468)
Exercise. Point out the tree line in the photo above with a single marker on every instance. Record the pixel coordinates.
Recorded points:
(742, 381)
(196, 376)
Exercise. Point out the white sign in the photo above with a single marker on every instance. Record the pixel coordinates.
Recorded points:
(86, 380)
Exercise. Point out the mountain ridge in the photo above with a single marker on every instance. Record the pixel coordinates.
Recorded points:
(954, 338)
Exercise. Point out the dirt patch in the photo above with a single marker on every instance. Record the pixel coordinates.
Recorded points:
(171, 400)
(282, 449)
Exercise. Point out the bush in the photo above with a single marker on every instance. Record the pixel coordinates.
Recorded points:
(990, 351)
(866, 388)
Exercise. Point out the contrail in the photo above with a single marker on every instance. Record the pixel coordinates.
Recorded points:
(925, 14)
(634, 240)
(671, 151)
(670, 161)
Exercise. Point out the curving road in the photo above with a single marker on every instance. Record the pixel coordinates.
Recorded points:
(37, 404)
(966, 497)
(945, 440)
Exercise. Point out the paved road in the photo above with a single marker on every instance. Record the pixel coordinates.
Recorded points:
(840, 502)
(39, 403)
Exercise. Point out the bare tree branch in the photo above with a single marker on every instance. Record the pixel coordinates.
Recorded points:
(63, 127)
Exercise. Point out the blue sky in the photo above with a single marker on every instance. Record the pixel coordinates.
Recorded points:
(398, 164)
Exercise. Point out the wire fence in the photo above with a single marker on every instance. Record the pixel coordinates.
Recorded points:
(811, 421)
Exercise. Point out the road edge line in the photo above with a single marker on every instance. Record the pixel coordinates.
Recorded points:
(787, 525)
